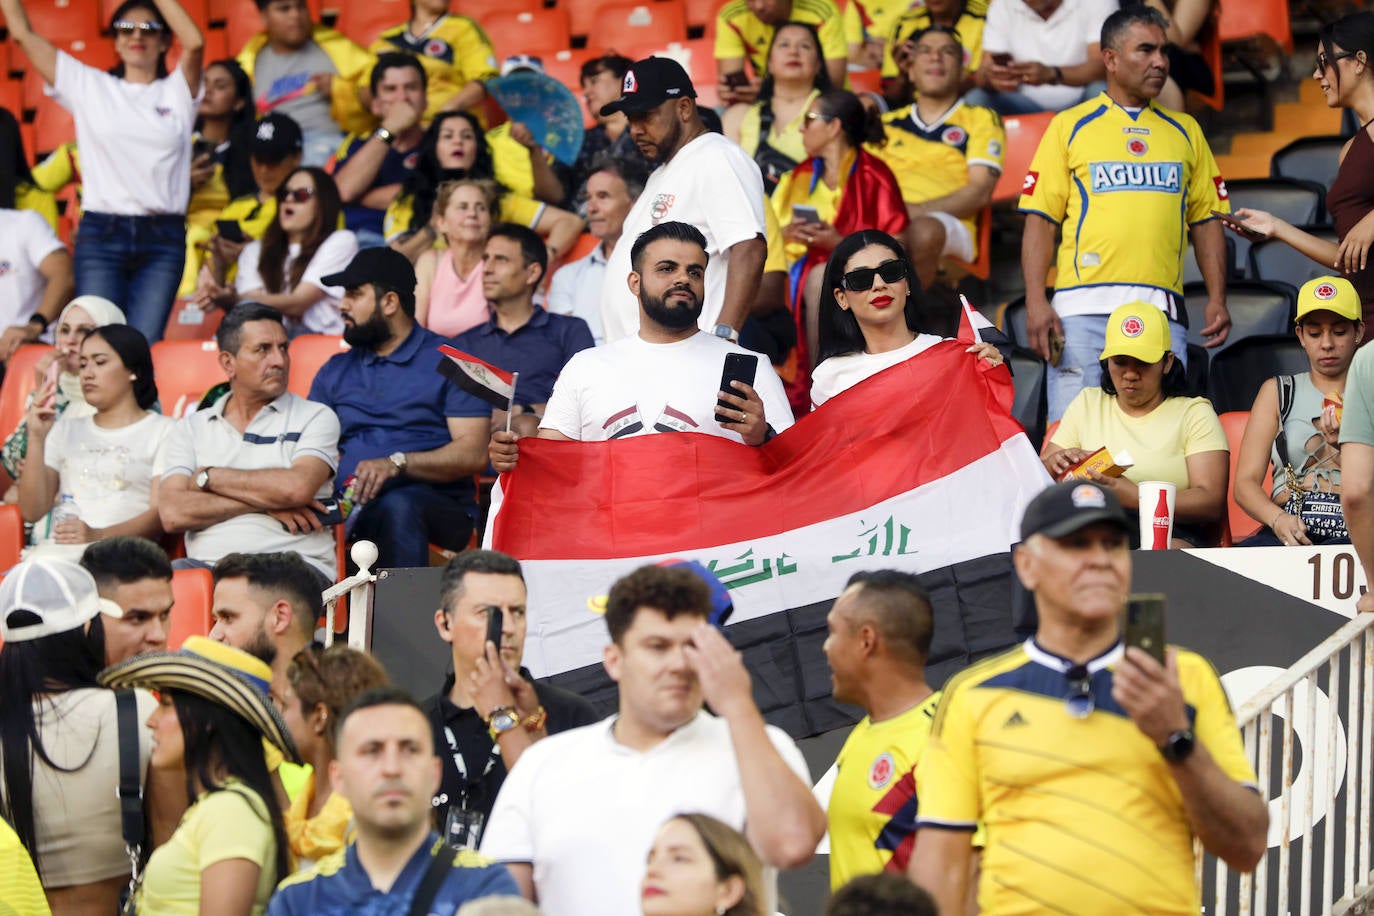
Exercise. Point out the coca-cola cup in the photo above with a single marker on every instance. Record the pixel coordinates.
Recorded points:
(1156, 514)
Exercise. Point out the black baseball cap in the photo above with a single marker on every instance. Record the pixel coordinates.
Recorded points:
(649, 83)
(1064, 508)
(275, 137)
(382, 266)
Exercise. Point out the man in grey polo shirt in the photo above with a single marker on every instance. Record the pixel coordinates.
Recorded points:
(247, 474)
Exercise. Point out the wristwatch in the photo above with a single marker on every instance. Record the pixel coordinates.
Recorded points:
(398, 459)
(727, 332)
(203, 479)
(502, 720)
(1179, 746)
(384, 135)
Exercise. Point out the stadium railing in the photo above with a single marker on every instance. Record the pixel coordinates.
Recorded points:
(357, 588)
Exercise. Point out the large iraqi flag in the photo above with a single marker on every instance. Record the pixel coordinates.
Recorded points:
(921, 467)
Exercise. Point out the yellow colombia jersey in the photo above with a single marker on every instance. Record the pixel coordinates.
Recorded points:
(454, 52)
(916, 18)
(872, 814)
(1125, 186)
(739, 33)
(932, 160)
(21, 894)
(1082, 814)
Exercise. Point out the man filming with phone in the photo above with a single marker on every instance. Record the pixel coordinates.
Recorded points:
(1091, 765)
(664, 378)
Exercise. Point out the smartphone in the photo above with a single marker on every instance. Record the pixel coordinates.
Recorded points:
(1143, 625)
(495, 622)
(332, 514)
(201, 147)
(1001, 60)
(1230, 221)
(1056, 347)
(230, 230)
(737, 80)
(739, 367)
(801, 213)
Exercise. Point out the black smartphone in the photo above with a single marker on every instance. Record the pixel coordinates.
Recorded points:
(737, 79)
(1002, 59)
(1230, 221)
(230, 230)
(801, 213)
(739, 367)
(1143, 626)
(332, 514)
(201, 148)
(495, 622)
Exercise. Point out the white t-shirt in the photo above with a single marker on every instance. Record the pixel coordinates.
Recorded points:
(840, 373)
(712, 184)
(25, 240)
(108, 472)
(568, 782)
(332, 256)
(135, 138)
(1060, 41)
(633, 388)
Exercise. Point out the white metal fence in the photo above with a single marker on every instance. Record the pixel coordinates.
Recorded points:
(1314, 764)
(357, 588)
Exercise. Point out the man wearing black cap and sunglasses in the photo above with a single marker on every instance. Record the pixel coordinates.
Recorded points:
(703, 180)
(1092, 766)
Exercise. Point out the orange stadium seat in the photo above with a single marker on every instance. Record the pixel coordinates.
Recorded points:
(192, 601)
(243, 23)
(221, 11)
(529, 32)
(654, 22)
(185, 370)
(64, 19)
(363, 22)
(12, 98)
(52, 127)
(1209, 44)
(1023, 137)
(198, 10)
(1244, 19)
(308, 353)
(11, 536)
(702, 14)
(216, 45)
(188, 322)
(582, 16)
(481, 9)
(18, 382)
(1239, 525)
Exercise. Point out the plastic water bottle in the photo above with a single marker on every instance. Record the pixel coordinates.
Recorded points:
(65, 509)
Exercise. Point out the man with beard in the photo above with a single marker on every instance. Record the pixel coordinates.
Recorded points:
(266, 604)
(703, 180)
(409, 438)
(665, 377)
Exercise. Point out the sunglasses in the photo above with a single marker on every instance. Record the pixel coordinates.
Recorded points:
(817, 116)
(126, 29)
(295, 195)
(1079, 703)
(1323, 61)
(861, 279)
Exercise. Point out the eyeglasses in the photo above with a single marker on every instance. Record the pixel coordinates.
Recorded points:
(126, 29)
(1079, 703)
(817, 116)
(861, 278)
(295, 195)
(1323, 61)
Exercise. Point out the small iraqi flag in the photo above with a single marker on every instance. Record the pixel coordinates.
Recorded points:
(493, 385)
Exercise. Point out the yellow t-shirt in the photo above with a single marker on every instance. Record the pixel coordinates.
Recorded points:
(1082, 814)
(454, 52)
(252, 215)
(825, 199)
(739, 33)
(772, 234)
(785, 138)
(1126, 186)
(1159, 442)
(21, 893)
(916, 18)
(872, 814)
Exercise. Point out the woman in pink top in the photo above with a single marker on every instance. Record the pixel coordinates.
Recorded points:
(448, 282)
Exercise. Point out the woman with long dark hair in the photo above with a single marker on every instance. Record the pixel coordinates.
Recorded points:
(230, 849)
(59, 746)
(18, 190)
(132, 127)
(104, 462)
(225, 124)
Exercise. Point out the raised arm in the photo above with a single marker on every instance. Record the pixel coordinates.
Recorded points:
(559, 229)
(188, 34)
(41, 52)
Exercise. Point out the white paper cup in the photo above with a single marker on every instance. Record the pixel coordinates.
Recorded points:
(1156, 514)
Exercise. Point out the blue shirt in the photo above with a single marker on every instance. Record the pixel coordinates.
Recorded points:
(395, 169)
(538, 350)
(393, 403)
(339, 885)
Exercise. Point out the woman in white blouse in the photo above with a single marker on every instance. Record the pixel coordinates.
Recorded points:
(133, 127)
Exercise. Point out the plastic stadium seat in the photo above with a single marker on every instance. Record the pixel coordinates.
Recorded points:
(529, 32)
(481, 9)
(199, 10)
(1193, 274)
(1273, 260)
(1023, 137)
(185, 370)
(308, 353)
(188, 322)
(1239, 522)
(18, 382)
(1209, 45)
(582, 17)
(192, 601)
(12, 97)
(1313, 159)
(11, 536)
(1195, 375)
(1236, 374)
(363, 22)
(1296, 202)
(225, 10)
(1244, 19)
(653, 22)
(52, 127)
(64, 19)
(1028, 381)
(1258, 308)
(701, 14)
(242, 22)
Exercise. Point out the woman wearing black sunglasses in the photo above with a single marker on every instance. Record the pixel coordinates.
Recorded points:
(133, 127)
(868, 314)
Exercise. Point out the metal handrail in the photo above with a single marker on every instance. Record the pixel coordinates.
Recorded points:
(358, 588)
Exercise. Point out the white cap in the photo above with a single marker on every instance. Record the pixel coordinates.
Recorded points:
(59, 593)
(522, 62)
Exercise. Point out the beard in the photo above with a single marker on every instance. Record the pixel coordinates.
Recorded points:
(262, 647)
(674, 318)
(663, 150)
(369, 334)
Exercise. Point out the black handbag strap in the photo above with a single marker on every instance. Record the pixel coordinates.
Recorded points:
(440, 864)
(1285, 383)
(130, 781)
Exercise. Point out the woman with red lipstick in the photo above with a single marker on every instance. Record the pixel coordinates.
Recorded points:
(699, 866)
(1345, 70)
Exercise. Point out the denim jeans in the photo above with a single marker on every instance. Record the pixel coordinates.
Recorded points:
(1081, 365)
(408, 515)
(1016, 103)
(135, 262)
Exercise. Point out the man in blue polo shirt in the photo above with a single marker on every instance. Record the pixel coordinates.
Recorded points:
(520, 336)
(387, 770)
(409, 438)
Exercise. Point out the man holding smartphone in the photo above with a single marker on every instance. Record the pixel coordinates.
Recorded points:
(1092, 766)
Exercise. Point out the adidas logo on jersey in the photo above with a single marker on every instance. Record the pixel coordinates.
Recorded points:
(1136, 176)
(1015, 720)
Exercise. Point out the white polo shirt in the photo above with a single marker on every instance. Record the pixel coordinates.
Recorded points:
(712, 184)
(1060, 41)
(25, 240)
(286, 429)
(584, 808)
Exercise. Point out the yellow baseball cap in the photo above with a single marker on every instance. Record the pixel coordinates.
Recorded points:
(1329, 294)
(1139, 330)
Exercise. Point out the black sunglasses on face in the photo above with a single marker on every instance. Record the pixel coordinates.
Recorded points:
(861, 278)
(1323, 61)
(295, 195)
(127, 29)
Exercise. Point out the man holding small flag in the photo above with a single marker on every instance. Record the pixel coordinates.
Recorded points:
(409, 438)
